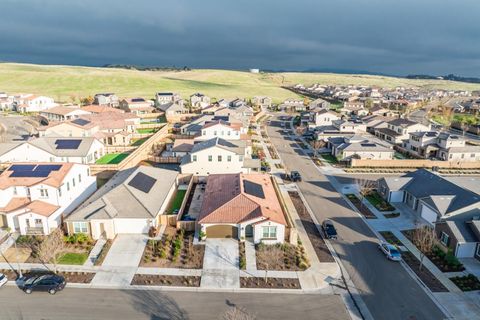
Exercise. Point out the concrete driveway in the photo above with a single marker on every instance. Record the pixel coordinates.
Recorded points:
(122, 260)
(221, 264)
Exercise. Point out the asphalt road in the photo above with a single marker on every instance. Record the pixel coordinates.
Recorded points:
(142, 304)
(386, 287)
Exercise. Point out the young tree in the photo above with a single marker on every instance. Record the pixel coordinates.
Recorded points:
(365, 188)
(86, 101)
(51, 247)
(424, 238)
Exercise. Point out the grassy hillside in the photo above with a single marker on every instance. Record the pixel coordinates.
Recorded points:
(65, 83)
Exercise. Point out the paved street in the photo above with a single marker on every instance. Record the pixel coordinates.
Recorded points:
(154, 305)
(387, 289)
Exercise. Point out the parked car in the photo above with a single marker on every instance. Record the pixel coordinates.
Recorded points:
(295, 176)
(329, 229)
(3, 279)
(44, 282)
(390, 251)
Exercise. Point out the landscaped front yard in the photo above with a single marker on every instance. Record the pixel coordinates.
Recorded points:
(329, 158)
(281, 257)
(360, 206)
(112, 158)
(467, 283)
(378, 202)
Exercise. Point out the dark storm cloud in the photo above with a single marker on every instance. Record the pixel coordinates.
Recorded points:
(397, 37)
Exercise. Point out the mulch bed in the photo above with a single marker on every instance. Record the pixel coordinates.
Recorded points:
(321, 249)
(390, 238)
(467, 283)
(362, 208)
(271, 283)
(391, 215)
(162, 253)
(72, 277)
(243, 259)
(103, 253)
(281, 257)
(162, 280)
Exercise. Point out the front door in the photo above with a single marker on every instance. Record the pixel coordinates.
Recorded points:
(248, 231)
(102, 230)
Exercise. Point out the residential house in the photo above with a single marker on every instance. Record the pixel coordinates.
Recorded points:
(173, 111)
(398, 130)
(324, 117)
(182, 147)
(219, 156)
(106, 99)
(241, 206)
(84, 150)
(237, 102)
(137, 106)
(292, 104)
(374, 121)
(62, 113)
(222, 129)
(262, 102)
(380, 111)
(97, 109)
(32, 103)
(168, 97)
(131, 202)
(359, 147)
(34, 197)
(199, 100)
(354, 108)
(318, 104)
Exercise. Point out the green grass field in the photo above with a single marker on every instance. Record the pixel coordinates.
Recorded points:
(177, 202)
(73, 258)
(152, 130)
(112, 158)
(68, 84)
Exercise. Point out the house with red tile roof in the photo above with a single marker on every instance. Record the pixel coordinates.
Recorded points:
(242, 206)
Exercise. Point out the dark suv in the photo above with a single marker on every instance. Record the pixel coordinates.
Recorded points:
(44, 282)
(295, 176)
(329, 229)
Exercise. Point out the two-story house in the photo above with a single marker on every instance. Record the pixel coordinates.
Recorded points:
(262, 102)
(356, 108)
(324, 117)
(398, 130)
(63, 113)
(167, 97)
(34, 197)
(32, 103)
(199, 100)
(137, 106)
(222, 129)
(106, 99)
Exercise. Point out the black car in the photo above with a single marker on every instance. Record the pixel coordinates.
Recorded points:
(295, 176)
(329, 229)
(44, 282)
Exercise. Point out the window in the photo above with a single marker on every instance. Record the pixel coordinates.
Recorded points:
(38, 221)
(68, 186)
(79, 178)
(229, 158)
(73, 182)
(44, 193)
(444, 238)
(60, 192)
(219, 158)
(215, 133)
(15, 191)
(194, 158)
(472, 155)
(80, 227)
(204, 132)
(210, 158)
(269, 232)
(228, 132)
(240, 158)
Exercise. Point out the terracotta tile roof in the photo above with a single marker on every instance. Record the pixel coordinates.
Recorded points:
(236, 198)
(15, 203)
(101, 109)
(42, 208)
(54, 179)
(62, 110)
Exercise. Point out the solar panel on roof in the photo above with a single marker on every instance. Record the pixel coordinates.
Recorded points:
(81, 122)
(71, 144)
(368, 144)
(142, 182)
(22, 167)
(30, 174)
(48, 167)
(253, 189)
(138, 100)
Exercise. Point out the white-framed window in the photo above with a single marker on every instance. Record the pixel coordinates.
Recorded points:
(210, 158)
(444, 238)
(269, 232)
(15, 192)
(229, 158)
(60, 191)
(68, 186)
(79, 178)
(44, 193)
(80, 227)
(194, 158)
(219, 158)
(73, 182)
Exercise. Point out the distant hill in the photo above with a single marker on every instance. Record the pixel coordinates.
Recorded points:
(450, 77)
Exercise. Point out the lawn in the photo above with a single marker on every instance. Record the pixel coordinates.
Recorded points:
(65, 83)
(150, 130)
(177, 201)
(378, 202)
(112, 158)
(139, 142)
(73, 258)
(329, 158)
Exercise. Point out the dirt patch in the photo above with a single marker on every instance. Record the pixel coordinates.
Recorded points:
(162, 280)
(321, 249)
(243, 259)
(270, 283)
(103, 253)
(281, 257)
(174, 250)
(362, 208)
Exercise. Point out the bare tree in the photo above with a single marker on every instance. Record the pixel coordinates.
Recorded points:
(365, 188)
(237, 313)
(424, 238)
(51, 247)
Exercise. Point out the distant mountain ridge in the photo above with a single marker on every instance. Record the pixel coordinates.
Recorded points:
(450, 77)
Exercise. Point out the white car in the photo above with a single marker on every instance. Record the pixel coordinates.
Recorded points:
(3, 279)
(390, 251)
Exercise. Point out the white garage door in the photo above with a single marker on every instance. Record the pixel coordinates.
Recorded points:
(428, 214)
(137, 226)
(466, 250)
(396, 196)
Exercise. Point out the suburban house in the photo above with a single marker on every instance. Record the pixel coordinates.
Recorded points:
(34, 197)
(106, 99)
(237, 103)
(398, 130)
(167, 97)
(63, 113)
(430, 195)
(97, 109)
(173, 111)
(222, 129)
(130, 202)
(324, 117)
(293, 105)
(32, 103)
(138, 106)
(182, 147)
(358, 147)
(199, 100)
(441, 145)
(242, 206)
(219, 156)
(84, 150)
(356, 108)
(318, 104)
(373, 122)
(262, 102)
(380, 111)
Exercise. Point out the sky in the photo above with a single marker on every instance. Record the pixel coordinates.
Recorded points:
(382, 36)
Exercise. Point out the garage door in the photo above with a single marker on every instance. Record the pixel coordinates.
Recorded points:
(428, 214)
(137, 226)
(466, 250)
(396, 196)
(222, 231)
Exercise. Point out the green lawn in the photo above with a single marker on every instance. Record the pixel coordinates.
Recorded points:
(378, 202)
(329, 158)
(112, 158)
(73, 258)
(177, 202)
(143, 131)
(67, 83)
(139, 142)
